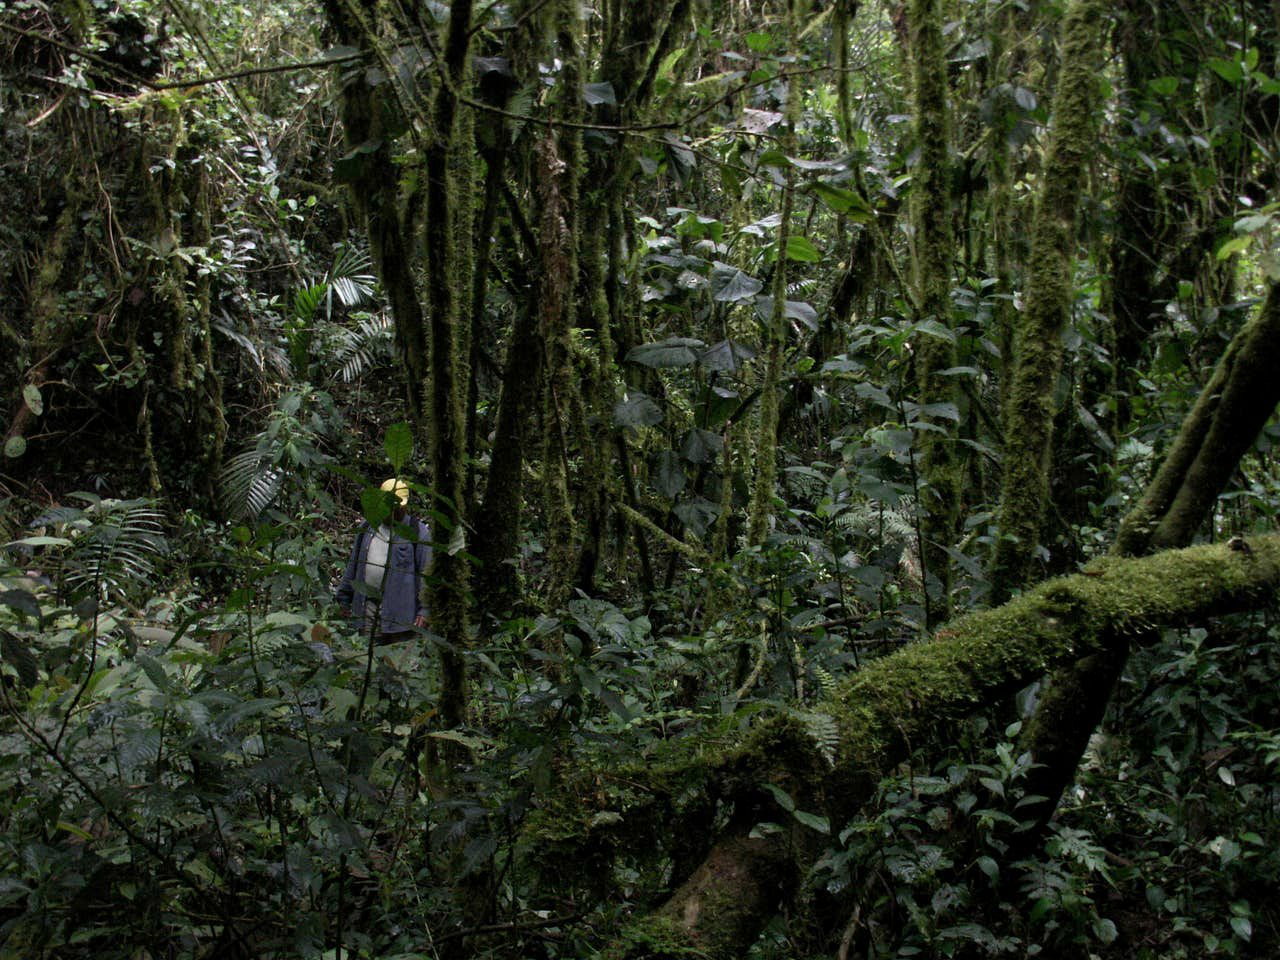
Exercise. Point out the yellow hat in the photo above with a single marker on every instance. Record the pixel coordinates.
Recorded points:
(398, 488)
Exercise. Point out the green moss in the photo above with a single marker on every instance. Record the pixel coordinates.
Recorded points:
(652, 938)
(934, 254)
(1030, 409)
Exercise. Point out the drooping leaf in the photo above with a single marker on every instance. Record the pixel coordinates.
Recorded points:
(668, 474)
(375, 504)
(637, 409)
(697, 514)
(672, 352)
(737, 288)
(1229, 70)
(595, 94)
(727, 356)
(844, 201)
(352, 166)
(701, 446)
(720, 402)
(794, 310)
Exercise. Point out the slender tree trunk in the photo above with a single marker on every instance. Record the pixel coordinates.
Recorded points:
(446, 420)
(1029, 416)
(941, 465)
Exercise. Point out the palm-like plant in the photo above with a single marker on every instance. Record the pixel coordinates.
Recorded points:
(108, 548)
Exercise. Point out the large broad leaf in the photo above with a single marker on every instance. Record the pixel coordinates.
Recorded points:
(672, 352)
(720, 404)
(844, 200)
(802, 249)
(595, 94)
(637, 409)
(398, 444)
(697, 514)
(736, 288)
(701, 446)
(668, 474)
(376, 505)
(794, 309)
(727, 356)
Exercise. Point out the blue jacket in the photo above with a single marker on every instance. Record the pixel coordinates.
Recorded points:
(393, 608)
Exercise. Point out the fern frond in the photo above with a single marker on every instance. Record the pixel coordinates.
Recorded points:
(821, 728)
(248, 483)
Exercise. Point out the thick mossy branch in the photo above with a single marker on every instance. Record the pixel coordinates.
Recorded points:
(1029, 416)
(1231, 411)
(1232, 408)
(911, 701)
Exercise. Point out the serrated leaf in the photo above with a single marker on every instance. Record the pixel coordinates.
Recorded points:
(637, 409)
(31, 397)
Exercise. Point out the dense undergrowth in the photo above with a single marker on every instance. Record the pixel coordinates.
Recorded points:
(221, 768)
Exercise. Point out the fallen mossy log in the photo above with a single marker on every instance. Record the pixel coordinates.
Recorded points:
(912, 701)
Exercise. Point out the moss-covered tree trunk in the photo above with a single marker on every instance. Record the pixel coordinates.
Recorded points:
(446, 289)
(49, 335)
(941, 468)
(911, 702)
(1233, 407)
(1028, 419)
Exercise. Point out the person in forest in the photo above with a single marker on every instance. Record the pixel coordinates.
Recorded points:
(381, 586)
